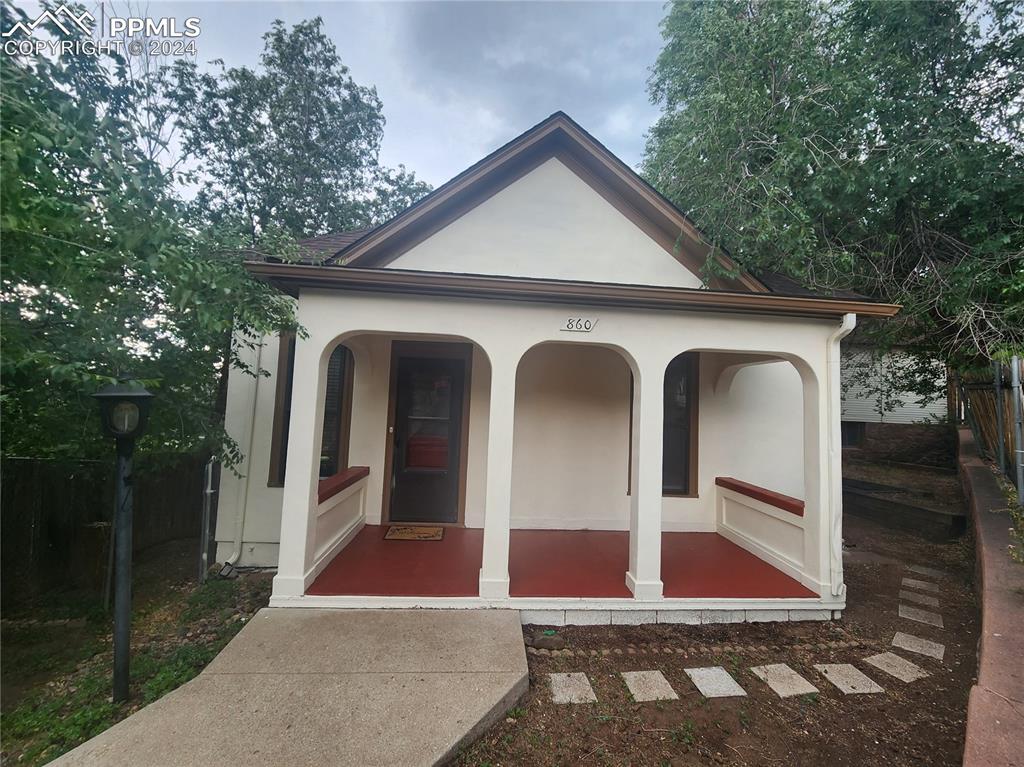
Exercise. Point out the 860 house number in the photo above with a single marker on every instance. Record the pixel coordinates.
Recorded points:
(579, 324)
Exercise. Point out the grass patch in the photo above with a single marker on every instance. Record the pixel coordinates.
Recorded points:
(174, 637)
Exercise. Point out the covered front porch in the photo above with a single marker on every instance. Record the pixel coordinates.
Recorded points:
(663, 466)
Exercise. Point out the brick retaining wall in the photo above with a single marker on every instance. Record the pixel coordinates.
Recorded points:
(995, 711)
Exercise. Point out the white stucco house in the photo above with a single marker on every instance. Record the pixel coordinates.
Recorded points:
(529, 360)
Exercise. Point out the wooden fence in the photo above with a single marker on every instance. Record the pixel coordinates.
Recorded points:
(981, 403)
(55, 518)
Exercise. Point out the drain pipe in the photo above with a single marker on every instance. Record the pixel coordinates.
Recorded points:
(236, 553)
(835, 489)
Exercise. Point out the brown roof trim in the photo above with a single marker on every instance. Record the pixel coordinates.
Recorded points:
(292, 277)
(557, 136)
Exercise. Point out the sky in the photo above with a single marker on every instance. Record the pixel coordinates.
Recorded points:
(459, 79)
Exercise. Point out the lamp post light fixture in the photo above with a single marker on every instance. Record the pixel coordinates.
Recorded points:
(124, 409)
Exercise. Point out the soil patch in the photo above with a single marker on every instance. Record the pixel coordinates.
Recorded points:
(909, 724)
(924, 487)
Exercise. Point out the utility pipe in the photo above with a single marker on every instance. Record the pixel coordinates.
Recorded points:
(1015, 392)
(997, 390)
(236, 553)
(204, 538)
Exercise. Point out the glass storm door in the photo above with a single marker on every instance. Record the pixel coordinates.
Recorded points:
(427, 434)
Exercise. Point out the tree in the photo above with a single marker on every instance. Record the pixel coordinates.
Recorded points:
(295, 144)
(102, 271)
(867, 146)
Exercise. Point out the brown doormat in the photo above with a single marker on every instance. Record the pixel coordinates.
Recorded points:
(413, 533)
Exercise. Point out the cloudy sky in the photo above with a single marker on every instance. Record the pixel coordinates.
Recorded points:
(459, 79)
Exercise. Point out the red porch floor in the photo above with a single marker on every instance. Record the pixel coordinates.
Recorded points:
(548, 563)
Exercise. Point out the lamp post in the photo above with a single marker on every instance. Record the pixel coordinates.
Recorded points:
(124, 407)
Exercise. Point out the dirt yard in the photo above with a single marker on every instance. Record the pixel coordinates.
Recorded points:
(923, 486)
(908, 724)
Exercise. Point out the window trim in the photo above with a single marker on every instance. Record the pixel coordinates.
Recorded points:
(693, 371)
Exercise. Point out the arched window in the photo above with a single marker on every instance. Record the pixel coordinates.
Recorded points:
(337, 412)
(679, 431)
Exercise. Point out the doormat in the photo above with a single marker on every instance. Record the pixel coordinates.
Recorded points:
(413, 533)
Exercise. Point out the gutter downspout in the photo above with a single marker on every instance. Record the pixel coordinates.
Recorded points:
(236, 553)
(833, 479)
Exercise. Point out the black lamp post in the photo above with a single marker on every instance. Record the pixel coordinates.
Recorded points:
(124, 407)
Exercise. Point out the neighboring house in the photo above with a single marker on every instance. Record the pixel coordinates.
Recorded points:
(528, 359)
(882, 419)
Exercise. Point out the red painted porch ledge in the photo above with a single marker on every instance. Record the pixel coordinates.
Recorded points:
(778, 500)
(330, 486)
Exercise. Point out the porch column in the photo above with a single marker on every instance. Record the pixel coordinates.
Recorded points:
(302, 471)
(498, 499)
(644, 575)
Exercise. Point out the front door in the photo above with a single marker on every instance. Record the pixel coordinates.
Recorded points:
(426, 433)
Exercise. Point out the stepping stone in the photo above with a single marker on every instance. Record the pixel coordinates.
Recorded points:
(912, 643)
(648, 685)
(921, 599)
(920, 615)
(783, 680)
(931, 572)
(571, 688)
(847, 678)
(714, 682)
(913, 583)
(894, 665)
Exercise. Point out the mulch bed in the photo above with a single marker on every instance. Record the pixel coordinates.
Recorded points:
(909, 724)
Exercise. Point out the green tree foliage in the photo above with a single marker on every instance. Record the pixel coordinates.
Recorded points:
(101, 271)
(866, 145)
(295, 144)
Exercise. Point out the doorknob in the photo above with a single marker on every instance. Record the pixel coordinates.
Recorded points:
(391, 430)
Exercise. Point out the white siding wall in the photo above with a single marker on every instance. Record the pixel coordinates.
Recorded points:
(866, 390)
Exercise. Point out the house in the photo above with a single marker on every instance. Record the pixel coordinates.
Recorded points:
(529, 360)
(882, 420)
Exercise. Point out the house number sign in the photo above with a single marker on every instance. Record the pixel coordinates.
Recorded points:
(579, 324)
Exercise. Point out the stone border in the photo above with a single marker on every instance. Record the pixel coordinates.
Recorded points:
(637, 617)
(995, 710)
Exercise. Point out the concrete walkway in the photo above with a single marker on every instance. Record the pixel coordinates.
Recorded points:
(339, 687)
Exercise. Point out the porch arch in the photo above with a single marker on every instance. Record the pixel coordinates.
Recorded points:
(571, 470)
(748, 431)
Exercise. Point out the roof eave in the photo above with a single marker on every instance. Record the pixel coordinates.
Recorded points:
(292, 277)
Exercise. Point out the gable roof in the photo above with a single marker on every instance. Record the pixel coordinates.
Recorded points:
(353, 260)
(557, 136)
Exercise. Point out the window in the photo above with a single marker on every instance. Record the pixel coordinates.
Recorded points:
(337, 412)
(679, 456)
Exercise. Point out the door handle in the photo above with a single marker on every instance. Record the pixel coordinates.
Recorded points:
(391, 430)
